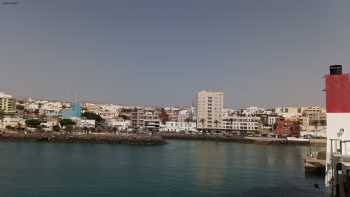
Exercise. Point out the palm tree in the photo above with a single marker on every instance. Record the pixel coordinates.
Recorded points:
(202, 122)
(231, 122)
(187, 120)
(216, 122)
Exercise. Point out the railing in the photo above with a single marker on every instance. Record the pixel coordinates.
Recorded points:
(340, 147)
(340, 152)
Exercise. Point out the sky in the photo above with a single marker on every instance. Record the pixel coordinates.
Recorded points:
(161, 52)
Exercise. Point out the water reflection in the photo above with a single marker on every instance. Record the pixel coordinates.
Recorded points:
(209, 164)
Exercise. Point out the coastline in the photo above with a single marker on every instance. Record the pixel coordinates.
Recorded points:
(97, 138)
(237, 139)
(140, 139)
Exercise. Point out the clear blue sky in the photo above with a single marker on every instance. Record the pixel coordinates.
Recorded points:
(159, 52)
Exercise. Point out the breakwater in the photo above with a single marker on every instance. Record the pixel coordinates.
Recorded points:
(238, 139)
(105, 138)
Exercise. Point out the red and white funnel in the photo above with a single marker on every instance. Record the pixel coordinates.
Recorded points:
(338, 112)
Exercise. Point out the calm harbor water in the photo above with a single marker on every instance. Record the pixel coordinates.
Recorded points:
(180, 168)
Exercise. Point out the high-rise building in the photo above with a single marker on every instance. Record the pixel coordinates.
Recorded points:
(210, 110)
(7, 103)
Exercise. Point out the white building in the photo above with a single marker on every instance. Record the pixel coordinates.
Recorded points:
(289, 112)
(172, 126)
(210, 110)
(243, 123)
(50, 108)
(31, 106)
(49, 124)
(249, 111)
(313, 131)
(85, 123)
(119, 124)
(106, 111)
(271, 120)
(13, 122)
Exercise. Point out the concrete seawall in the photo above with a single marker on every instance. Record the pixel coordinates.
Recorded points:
(238, 139)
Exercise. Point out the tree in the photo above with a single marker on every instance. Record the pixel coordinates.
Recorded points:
(202, 122)
(274, 126)
(163, 116)
(231, 122)
(93, 116)
(33, 123)
(67, 122)
(216, 122)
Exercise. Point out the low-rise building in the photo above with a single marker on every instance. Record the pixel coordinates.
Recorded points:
(50, 109)
(172, 126)
(145, 118)
(287, 127)
(119, 124)
(85, 123)
(151, 124)
(289, 112)
(243, 124)
(49, 124)
(12, 122)
(137, 117)
(250, 111)
(313, 117)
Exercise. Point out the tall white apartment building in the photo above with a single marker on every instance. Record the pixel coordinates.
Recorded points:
(210, 110)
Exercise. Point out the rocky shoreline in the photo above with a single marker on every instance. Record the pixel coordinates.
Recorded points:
(105, 138)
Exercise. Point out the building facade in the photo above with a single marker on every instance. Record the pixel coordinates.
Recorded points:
(287, 127)
(174, 126)
(243, 124)
(147, 119)
(119, 124)
(137, 115)
(7, 103)
(13, 122)
(210, 110)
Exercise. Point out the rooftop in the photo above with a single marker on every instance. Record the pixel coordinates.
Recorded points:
(3, 95)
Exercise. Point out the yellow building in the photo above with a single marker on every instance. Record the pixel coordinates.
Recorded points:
(7, 103)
